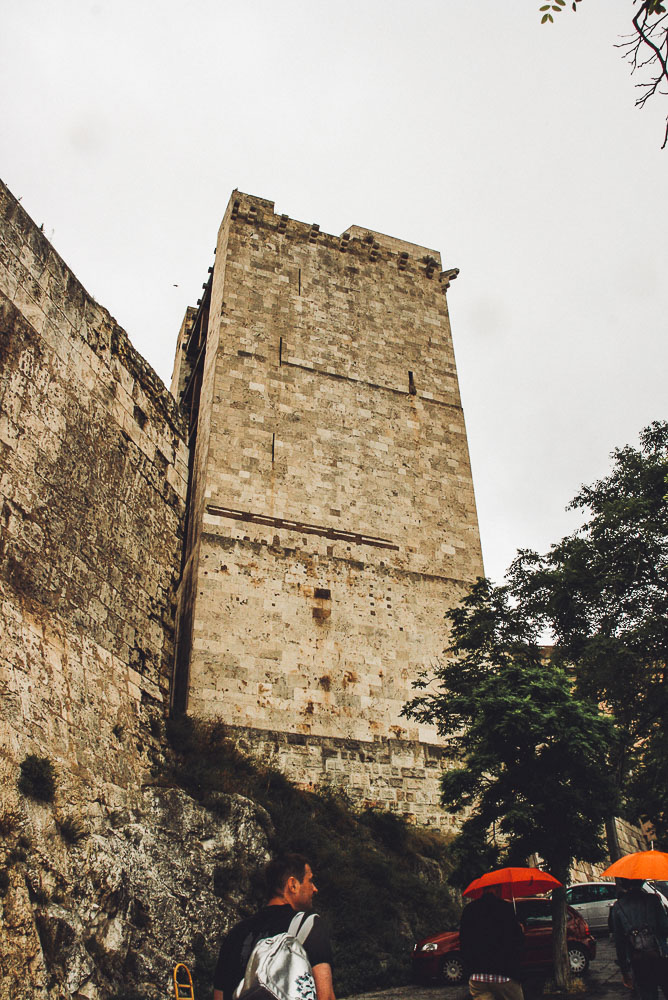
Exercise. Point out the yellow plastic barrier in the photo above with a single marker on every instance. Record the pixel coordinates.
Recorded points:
(183, 991)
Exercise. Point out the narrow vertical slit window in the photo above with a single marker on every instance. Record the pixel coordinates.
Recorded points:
(411, 384)
(299, 280)
(273, 442)
(280, 351)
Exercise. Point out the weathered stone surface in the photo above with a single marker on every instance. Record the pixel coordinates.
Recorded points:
(333, 519)
(158, 884)
(331, 402)
(93, 471)
(389, 773)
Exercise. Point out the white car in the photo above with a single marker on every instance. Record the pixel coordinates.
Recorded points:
(592, 900)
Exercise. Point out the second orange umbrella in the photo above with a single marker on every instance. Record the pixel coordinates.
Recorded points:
(641, 865)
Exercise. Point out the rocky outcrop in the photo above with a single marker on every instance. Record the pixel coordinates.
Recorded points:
(108, 913)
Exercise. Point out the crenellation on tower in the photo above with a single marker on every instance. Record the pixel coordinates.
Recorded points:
(331, 514)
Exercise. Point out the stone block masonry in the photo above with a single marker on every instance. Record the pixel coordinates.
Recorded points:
(93, 475)
(332, 518)
(397, 775)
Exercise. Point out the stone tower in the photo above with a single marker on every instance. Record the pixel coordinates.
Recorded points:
(331, 515)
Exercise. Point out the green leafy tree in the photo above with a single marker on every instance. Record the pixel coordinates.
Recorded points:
(603, 591)
(530, 757)
(646, 48)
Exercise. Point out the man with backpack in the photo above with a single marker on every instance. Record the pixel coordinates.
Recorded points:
(639, 925)
(270, 942)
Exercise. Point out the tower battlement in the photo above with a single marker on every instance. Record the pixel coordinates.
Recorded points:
(259, 212)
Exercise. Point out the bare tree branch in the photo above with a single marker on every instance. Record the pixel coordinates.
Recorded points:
(645, 50)
(647, 32)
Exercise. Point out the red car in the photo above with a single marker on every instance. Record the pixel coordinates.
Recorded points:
(438, 957)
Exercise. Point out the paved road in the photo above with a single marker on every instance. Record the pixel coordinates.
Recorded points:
(601, 981)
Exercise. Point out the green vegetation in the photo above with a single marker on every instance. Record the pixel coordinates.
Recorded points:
(72, 829)
(381, 881)
(548, 746)
(530, 756)
(603, 593)
(37, 779)
(531, 774)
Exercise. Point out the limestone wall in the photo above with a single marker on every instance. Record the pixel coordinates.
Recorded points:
(92, 489)
(332, 488)
(278, 655)
(395, 775)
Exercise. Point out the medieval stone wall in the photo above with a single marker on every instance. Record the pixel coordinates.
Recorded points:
(389, 774)
(331, 523)
(92, 493)
(332, 488)
(93, 470)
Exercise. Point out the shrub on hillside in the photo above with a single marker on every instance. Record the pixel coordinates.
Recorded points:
(72, 829)
(37, 779)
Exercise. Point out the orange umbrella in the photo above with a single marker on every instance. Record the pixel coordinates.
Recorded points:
(514, 882)
(641, 865)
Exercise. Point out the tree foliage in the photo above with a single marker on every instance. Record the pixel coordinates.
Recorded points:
(603, 591)
(529, 755)
(544, 742)
(530, 769)
(646, 48)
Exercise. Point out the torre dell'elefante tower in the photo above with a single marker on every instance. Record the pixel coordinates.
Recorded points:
(331, 515)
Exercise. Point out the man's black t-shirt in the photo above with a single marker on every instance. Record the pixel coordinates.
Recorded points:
(237, 946)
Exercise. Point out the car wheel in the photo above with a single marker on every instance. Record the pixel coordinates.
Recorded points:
(578, 959)
(452, 970)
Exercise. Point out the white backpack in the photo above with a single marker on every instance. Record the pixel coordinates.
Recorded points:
(278, 967)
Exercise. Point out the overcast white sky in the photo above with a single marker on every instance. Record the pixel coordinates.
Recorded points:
(514, 149)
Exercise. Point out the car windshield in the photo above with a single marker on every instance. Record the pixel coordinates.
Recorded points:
(534, 912)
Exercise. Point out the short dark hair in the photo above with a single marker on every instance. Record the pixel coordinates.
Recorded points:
(280, 869)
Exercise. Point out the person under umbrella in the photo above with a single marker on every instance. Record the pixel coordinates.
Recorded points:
(491, 938)
(639, 926)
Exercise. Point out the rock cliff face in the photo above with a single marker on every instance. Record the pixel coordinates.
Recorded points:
(108, 915)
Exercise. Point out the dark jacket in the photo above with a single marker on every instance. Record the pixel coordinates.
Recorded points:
(636, 909)
(491, 937)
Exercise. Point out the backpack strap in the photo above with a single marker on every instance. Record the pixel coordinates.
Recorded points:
(301, 926)
(623, 918)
